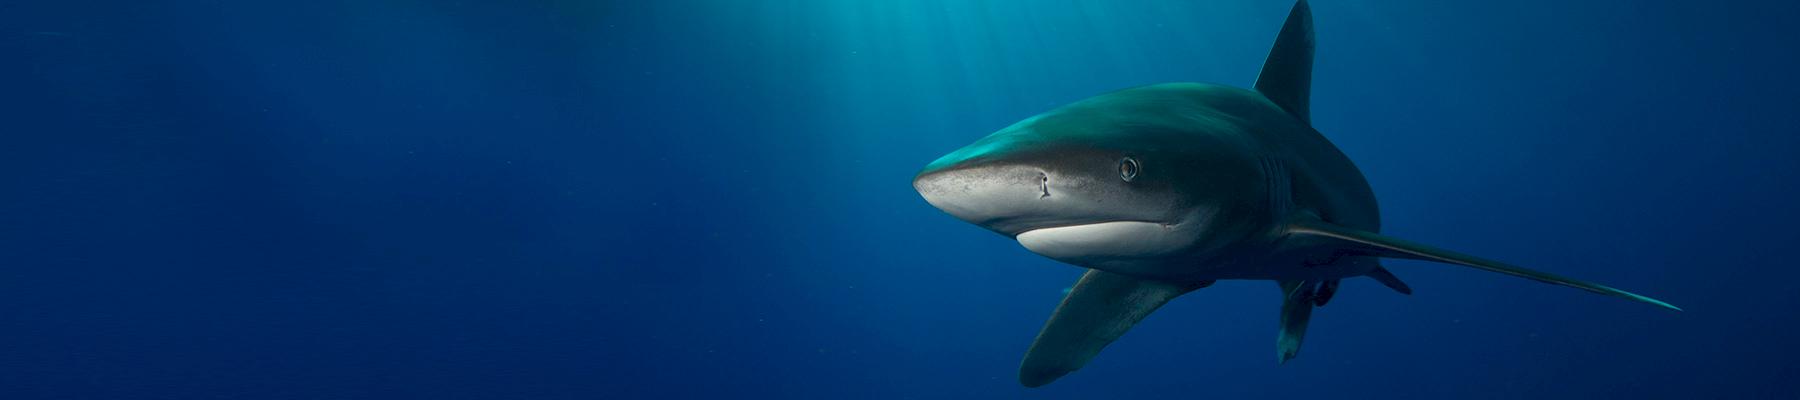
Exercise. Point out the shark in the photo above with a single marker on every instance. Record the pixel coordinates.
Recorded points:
(1165, 189)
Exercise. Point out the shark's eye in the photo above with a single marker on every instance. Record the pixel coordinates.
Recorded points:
(1128, 169)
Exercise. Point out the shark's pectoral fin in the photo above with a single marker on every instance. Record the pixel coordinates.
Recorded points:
(1100, 307)
(1377, 245)
(1297, 303)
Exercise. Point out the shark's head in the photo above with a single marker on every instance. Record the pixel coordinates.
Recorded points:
(1114, 180)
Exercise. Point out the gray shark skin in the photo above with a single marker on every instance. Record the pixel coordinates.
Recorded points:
(1164, 189)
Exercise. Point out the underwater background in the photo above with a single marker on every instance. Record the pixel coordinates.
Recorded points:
(712, 199)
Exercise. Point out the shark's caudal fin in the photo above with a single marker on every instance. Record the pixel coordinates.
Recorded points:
(1100, 307)
(1286, 77)
(1383, 246)
(1388, 279)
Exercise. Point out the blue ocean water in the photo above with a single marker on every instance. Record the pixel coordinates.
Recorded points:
(711, 199)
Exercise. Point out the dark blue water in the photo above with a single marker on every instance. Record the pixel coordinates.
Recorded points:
(711, 199)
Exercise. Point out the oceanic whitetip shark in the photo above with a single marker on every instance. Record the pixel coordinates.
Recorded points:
(1164, 189)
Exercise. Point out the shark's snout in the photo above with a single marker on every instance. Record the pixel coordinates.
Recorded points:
(1050, 215)
(1004, 198)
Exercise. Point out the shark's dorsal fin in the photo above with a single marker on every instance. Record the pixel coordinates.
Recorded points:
(1100, 307)
(1286, 77)
(1382, 246)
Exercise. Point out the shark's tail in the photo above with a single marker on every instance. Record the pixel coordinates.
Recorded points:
(1381, 274)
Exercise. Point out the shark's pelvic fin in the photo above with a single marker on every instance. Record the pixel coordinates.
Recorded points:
(1100, 307)
(1286, 77)
(1381, 274)
(1383, 246)
(1324, 293)
(1296, 308)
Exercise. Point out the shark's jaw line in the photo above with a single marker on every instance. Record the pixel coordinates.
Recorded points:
(1112, 239)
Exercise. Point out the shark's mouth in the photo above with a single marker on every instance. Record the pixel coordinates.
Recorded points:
(1131, 239)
